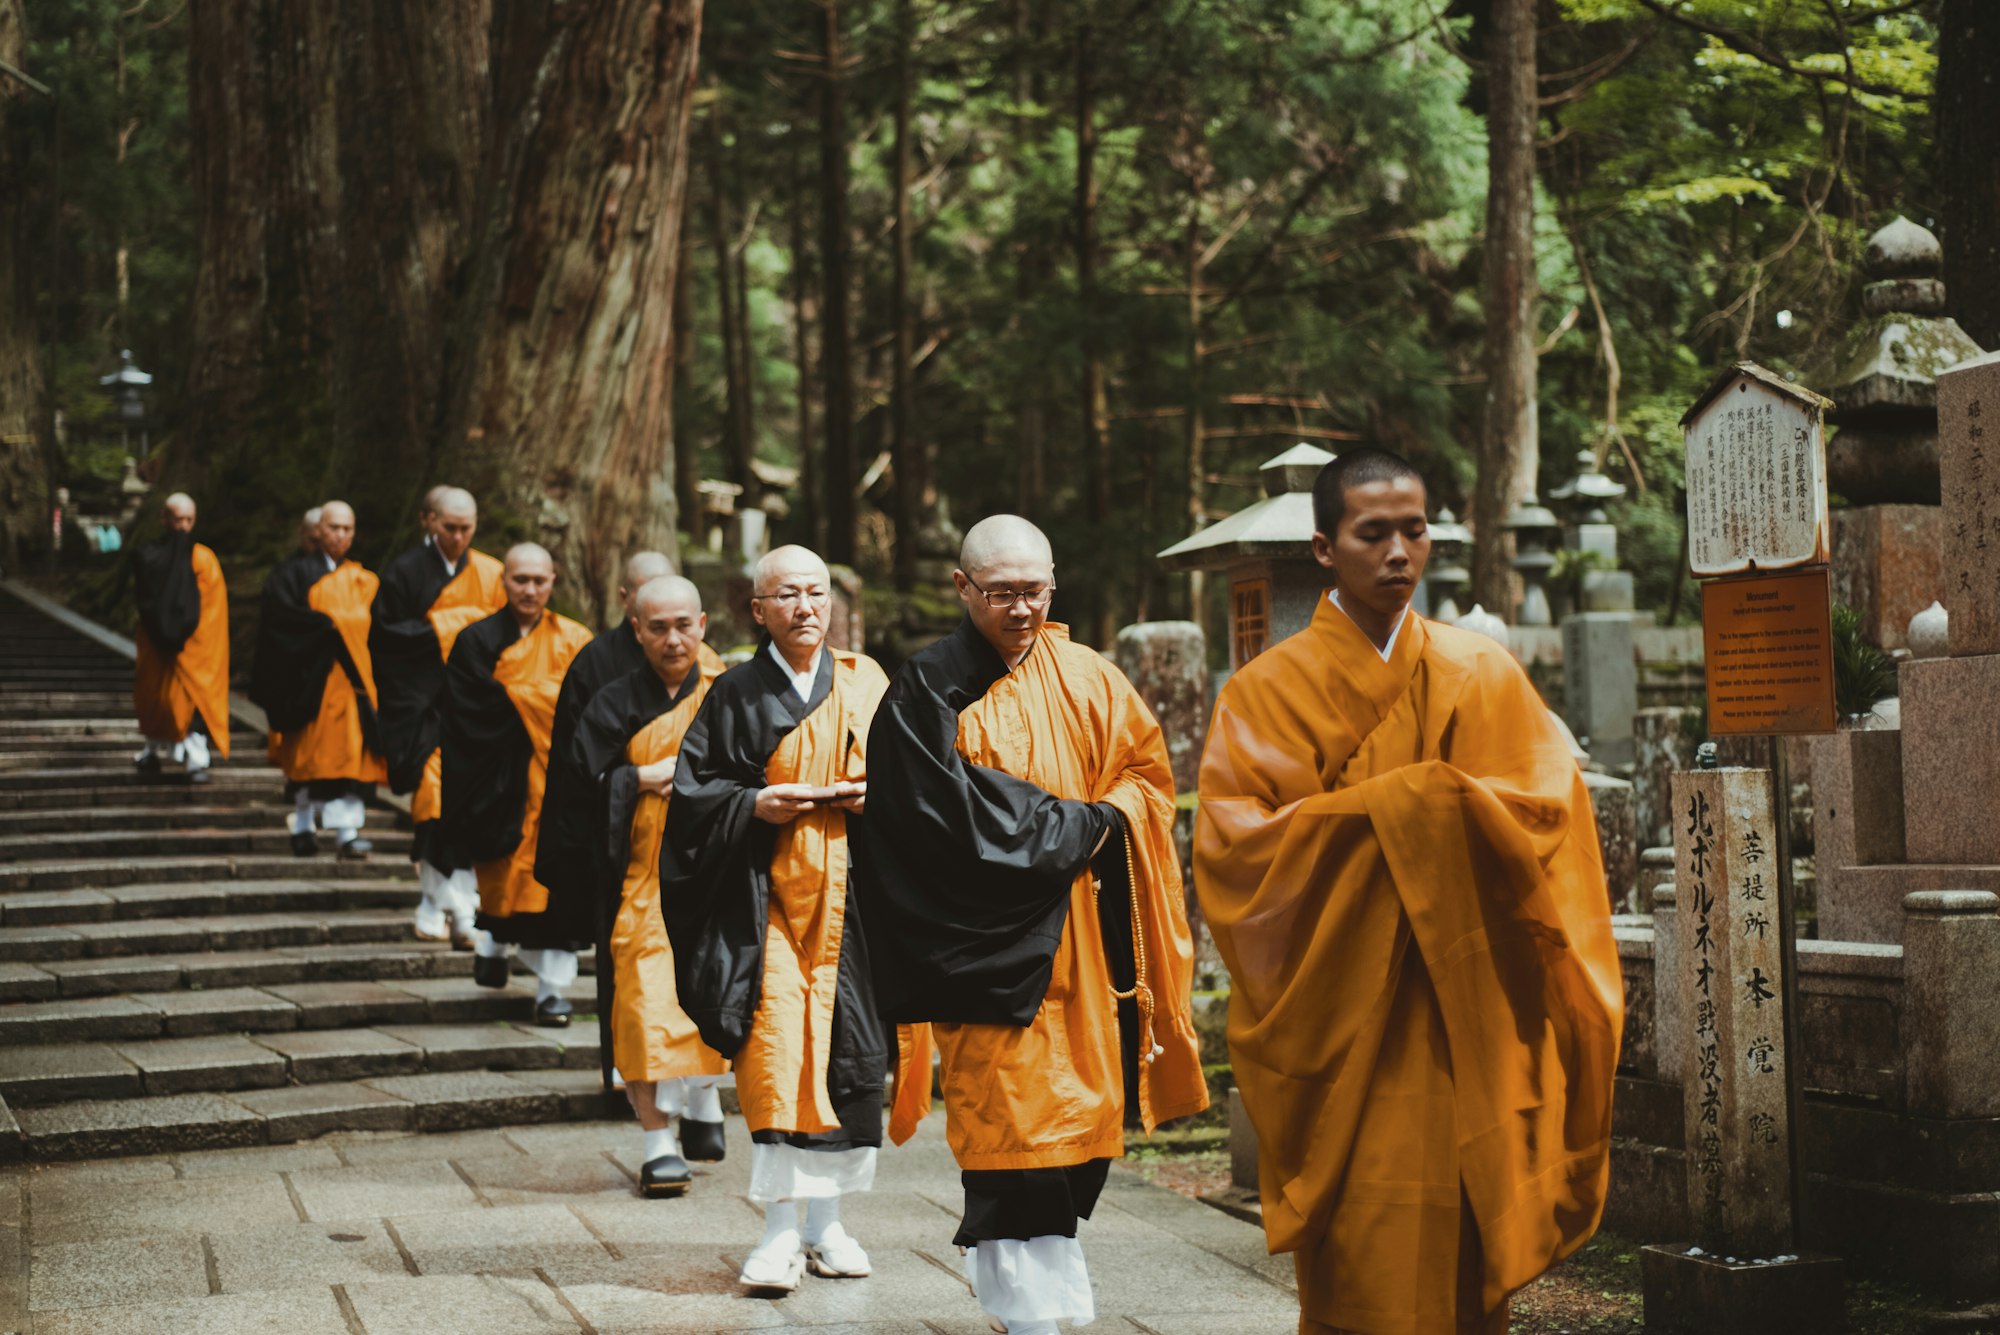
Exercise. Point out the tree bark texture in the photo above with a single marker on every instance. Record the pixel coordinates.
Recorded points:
(736, 426)
(838, 474)
(1095, 407)
(24, 432)
(903, 448)
(256, 445)
(1509, 450)
(1030, 276)
(1968, 109)
(562, 402)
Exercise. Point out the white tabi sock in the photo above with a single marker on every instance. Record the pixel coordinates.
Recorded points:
(661, 1143)
(667, 1097)
(822, 1213)
(780, 1218)
(704, 1100)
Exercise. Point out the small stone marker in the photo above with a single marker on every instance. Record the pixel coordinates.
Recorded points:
(1743, 1272)
(1167, 663)
(1969, 466)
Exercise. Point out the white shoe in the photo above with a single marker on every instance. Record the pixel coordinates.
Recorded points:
(432, 924)
(777, 1264)
(837, 1256)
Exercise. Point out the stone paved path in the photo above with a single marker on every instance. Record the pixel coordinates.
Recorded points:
(538, 1231)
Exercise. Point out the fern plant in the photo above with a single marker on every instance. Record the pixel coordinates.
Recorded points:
(1862, 673)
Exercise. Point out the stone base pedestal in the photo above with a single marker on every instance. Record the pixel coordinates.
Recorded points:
(1887, 562)
(1951, 759)
(1868, 905)
(1706, 1295)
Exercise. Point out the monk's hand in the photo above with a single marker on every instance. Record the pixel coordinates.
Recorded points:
(658, 777)
(853, 797)
(782, 803)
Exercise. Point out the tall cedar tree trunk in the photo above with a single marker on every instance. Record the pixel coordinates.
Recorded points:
(1968, 97)
(1509, 449)
(1095, 410)
(25, 447)
(254, 447)
(1197, 427)
(736, 407)
(687, 460)
(812, 522)
(410, 121)
(903, 449)
(1030, 278)
(837, 476)
(562, 392)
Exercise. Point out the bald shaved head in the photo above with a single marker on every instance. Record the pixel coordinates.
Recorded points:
(453, 522)
(529, 576)
(665, 590)
(639, 568)
(667, 618)
(336, 528)
(1007, 558)
(309, 530)
(1003, 538)
(179, 512)
(774, 565)
(452, 501)
(792, 599)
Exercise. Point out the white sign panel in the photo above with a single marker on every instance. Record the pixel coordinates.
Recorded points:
(1756, 482)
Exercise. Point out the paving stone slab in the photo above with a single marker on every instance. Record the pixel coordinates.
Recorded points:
(356, 926)
(291, 1256)
(55, 906)
(279, 896)
(380, 961)
(225, 1009)
(903, 1283)
(339, 1005)
(466, 1047)
(378, 894)
(497, 1238)
(366, 1150)
(264, 931)
(578, 1044)
(487, 1304)
(77, 1020)
(40, 943)
(536, 1179)
(12, 1142)
(212, 1063)
(317, 1055)
(104, 977)
(116, 1270)
(300, 1112)
(217, 969)
(25, 982)
(143, 936)
(582, 1093)
(461, 1001)
(457, 1100)
(698, 1292)
(167, 901)
(253, 1161)
(377, 1190)
(51, 1072)
(308, 1311)
(104, 1127)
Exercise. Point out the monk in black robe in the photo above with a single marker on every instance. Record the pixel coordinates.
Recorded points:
(180, 680)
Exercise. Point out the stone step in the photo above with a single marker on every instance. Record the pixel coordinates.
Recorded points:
(181, 841)
(117, 741)
(267, 777)
(181, 899)
(428, 1101)
(79, 756)
(279, 1008)
(170, 790)
(32, 1077)
(10, 728)
(50, 704)
(245, 815)
(96, 873)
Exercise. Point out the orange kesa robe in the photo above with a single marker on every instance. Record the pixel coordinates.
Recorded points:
(474, 593)
(331, 746)
(530, 670)
(1400, 866)
(167, 690)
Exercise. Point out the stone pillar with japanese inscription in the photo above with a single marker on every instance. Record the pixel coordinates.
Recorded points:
(1742, 1272)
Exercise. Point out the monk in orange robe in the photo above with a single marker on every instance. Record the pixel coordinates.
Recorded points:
(429, 594)
(1024, 898)
(501, 683)
(627, 744)
(180, 682)
(1396, 853)
(314, 678)
(766, 818)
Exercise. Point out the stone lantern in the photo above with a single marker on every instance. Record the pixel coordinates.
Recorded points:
(1446, 576)
(123, 385)
(1535, 533)
(1887, 540)
(1264, 551)
(1582, 500)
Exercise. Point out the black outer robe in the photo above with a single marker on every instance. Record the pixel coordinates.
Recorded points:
(164, 587)
(968, 880)
(568, 838)
(297, 646)
(715, 879)
(409, 670)
(616, 715)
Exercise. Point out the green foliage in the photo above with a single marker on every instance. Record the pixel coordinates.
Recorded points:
(1862, 673)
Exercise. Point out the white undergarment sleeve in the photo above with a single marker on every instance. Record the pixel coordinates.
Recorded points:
(1041, 1279)
(788, 1173)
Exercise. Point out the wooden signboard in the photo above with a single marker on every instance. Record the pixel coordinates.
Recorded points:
(1767, 641)
(1756, 475)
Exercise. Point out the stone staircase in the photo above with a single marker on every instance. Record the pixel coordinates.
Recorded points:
(172, 978)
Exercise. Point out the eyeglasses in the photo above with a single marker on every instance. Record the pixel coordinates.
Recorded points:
(1036, 598)
(792, 597)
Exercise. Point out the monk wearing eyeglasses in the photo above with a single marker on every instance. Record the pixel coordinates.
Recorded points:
(769, 959)
(1024, 898)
